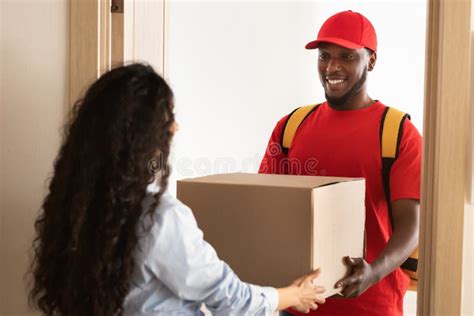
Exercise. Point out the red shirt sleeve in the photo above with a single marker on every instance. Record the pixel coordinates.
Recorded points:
(405, 175)
(273, 161)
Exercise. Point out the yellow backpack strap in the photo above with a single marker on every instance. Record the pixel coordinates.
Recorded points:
(294, 121)
(390, 137)
(391, 132)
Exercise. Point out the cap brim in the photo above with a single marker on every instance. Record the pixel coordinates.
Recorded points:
(332, 40)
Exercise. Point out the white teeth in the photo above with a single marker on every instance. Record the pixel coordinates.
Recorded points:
(335, 81)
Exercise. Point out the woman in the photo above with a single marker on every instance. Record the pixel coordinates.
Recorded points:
(110, 240)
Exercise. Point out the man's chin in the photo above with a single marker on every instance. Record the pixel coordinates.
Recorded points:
(334, 97)
(336, 100)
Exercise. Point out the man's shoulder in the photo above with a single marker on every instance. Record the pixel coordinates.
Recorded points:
(385, 106)
(306, 107)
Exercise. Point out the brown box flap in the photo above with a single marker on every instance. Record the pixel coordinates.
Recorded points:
(270, 180)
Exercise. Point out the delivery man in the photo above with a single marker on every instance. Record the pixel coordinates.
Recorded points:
(343, 137)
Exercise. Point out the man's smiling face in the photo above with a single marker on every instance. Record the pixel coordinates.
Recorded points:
(343, 72)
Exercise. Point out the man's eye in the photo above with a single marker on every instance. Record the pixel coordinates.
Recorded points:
(348, 56)
(323, 56)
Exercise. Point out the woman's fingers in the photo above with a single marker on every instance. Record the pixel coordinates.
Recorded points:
(313, 275)
(320, 300)
(319, 289)
(310, 276)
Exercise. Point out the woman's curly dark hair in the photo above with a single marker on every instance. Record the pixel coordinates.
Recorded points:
(87, 231)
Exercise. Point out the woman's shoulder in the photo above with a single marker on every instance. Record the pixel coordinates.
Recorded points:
(169, 211)
(169, 220)
(168, 204)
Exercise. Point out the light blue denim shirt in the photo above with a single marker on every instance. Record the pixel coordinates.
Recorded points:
(177, 271)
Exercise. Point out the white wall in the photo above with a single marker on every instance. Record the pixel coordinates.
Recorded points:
(468, 262)
(238, 66)
(34, 46)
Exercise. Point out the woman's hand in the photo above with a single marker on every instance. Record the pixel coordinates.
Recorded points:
(310, 294)
(302, 295)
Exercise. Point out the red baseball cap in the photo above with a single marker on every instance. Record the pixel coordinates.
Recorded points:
(347, 29)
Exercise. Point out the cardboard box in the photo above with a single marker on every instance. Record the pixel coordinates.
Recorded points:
(272, 229)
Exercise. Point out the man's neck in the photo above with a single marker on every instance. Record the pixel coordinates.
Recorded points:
(356, 103)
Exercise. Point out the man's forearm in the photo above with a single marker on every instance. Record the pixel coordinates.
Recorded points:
(403, 241)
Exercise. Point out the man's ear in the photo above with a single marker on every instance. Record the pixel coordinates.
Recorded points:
(372, 61)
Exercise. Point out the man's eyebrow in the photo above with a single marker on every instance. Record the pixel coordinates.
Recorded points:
(343, 51)
(349, 51)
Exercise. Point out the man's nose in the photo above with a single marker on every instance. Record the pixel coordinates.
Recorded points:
(333, 65)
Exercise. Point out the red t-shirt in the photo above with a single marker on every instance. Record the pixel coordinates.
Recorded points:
(347, 144)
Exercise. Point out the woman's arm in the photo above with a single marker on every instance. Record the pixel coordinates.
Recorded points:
(190, 268)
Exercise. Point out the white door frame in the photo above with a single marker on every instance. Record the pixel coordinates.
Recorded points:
(100, 40)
